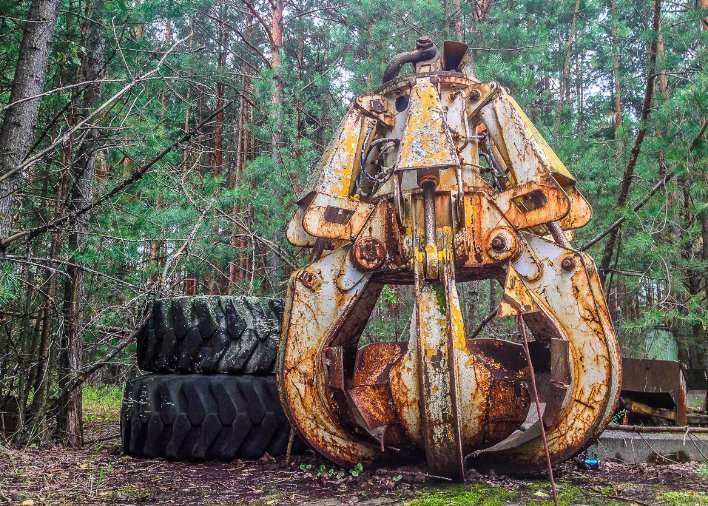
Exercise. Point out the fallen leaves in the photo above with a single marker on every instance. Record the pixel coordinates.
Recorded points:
(56, 475)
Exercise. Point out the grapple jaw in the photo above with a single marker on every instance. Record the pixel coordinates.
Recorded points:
(400, 197)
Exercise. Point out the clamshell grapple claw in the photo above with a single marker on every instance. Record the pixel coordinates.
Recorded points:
(433, 180)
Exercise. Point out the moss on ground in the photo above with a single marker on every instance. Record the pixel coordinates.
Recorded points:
(471, 493)
(682, 498)
(134, 492)
(703, 470)
(539, 493)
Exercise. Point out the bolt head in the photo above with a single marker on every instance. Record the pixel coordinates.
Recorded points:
(369, 253)
(309, 279)
(475, 95)
(568, 264)
(498, 243)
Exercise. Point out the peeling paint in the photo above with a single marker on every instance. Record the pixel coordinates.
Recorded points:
(441, 395)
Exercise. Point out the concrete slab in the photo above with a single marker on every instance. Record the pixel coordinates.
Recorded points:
(636, 448)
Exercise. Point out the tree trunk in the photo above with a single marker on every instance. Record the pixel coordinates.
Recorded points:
(188, 108)
(617, 113)
(276, 99)
(472, 302)
(236, 271)
(41, 371)
(156, 246)
(579, 92)
(457, 20)
(43, 355)
(664, 91)
(701, 357)
(480, 9)
(628, 175)
(299, 105)
(18, 126)
(493, 302)
(219, 120)
(565, 76)
(69, 419)
(276, 32)
(238, 267)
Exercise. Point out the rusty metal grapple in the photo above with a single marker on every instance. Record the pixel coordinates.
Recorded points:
(401, 196)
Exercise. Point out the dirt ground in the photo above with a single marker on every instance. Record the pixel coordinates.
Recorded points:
(98, 473)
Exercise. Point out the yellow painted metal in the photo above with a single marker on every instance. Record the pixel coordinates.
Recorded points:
(426, 142)
(431, 215)
(439, 338)
(564, 303)
(313, 316)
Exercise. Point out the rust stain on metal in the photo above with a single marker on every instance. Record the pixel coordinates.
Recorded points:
(369, 253)
(401, 196)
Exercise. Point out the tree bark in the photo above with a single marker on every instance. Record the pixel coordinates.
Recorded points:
(664, 91)
(276, 35)
(69, 419)
(43, 356)
(236, 271)
(565, 76)
(579, 92)
(156, 246)
(457, 20)
(20, 119)
(628, 175)
(41, 371)
(219, 120)
(617, 113)
(276, 99)
(493, 302)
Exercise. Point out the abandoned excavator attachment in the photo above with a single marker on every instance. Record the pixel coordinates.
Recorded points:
(433, 180)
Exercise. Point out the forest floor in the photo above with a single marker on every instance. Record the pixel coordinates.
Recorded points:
(99, 473)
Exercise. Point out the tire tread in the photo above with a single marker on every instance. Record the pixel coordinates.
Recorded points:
(195, 417)
(211, 335)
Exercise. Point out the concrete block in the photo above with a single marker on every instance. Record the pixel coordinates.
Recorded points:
(636, 448)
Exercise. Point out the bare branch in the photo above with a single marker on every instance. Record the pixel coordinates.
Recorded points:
(257, 15)
(136, 176)
(65, 136)
(240, 34)
(619, 221)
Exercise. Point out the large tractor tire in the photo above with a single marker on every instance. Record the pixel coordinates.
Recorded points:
(211, 335)
(195, 417)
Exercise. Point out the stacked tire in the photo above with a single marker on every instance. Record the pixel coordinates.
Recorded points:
(209, 391)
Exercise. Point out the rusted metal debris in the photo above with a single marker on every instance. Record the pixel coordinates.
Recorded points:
(400, 197)
(654, 388)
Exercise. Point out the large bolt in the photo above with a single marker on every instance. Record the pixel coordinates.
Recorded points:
(498, 243)
(369, 253)
(503, 244)
(309, 278)
(475, 95)
(568, 264)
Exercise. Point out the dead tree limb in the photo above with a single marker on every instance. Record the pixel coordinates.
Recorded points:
(628, 175)
(28, 235)
(66, 135)
(619, 221)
